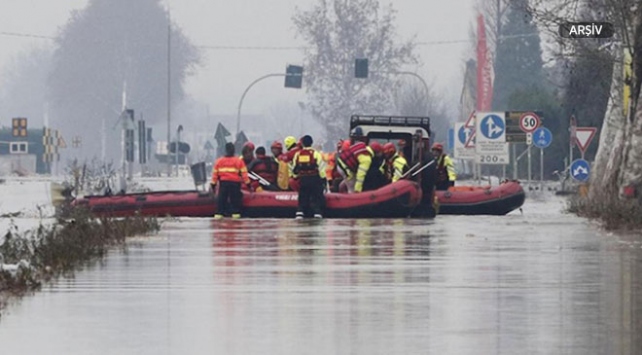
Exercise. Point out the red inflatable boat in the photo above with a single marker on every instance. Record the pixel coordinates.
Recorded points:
(392, 201)
(481, 200)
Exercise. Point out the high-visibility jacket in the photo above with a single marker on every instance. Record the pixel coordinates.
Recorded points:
(308, 162)
(283, 177)
(355, 162)
(230, 169)
(396, 166)
(288, 157)
(445, 169)
(331, 172)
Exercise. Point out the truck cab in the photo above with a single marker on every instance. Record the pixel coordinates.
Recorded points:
(415, 133)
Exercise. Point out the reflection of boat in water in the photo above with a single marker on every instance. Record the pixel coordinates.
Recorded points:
(481, 200)
(391, 201)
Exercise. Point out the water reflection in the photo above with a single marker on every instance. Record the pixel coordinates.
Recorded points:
(542, 283)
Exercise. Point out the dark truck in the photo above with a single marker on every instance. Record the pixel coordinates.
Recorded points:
(415, 132)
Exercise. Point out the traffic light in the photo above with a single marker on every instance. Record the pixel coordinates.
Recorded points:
(293, 76)
(361, 68)
(19, 126)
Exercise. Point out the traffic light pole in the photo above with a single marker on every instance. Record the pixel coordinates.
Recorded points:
(238, 115)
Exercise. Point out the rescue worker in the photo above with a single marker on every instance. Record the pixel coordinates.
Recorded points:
(375, 177)
(308, 167)
(283, 175)
(265, 167)
(332, 174)
(395, 165)
(247, 153)
(292, 147)
(446, 175)
(355, 161)
(228, 174)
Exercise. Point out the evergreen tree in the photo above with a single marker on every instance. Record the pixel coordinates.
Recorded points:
(518, 61)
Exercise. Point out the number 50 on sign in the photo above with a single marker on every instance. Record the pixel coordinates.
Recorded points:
(529, 122)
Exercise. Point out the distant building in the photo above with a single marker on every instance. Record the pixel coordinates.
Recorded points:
(23, 154)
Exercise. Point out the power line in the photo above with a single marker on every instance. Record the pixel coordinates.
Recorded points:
(27, 35)
(275, 48)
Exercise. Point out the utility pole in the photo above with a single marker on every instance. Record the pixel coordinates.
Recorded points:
(169, 87)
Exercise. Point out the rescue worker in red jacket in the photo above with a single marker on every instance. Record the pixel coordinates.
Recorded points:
(228, 174)
(247, 153)
(308, 167)
(395, 165)
(446, 174)
(355, 162)
(265, 167)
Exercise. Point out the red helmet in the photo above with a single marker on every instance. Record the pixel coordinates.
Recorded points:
(389, 149)
(248, 146)
(345, 145)
(339, 144)
(277, 145)
(438, 146)
(376, 147)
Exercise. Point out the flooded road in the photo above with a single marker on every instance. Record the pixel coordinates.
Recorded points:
(541, 282)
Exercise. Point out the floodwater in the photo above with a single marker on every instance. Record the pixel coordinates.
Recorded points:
(541, 282)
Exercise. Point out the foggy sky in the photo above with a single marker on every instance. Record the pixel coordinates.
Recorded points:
(256, 23)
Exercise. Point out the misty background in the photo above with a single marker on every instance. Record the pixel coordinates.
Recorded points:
(70, 60)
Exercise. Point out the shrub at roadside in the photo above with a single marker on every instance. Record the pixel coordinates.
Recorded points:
(29, 259)
(613, 212)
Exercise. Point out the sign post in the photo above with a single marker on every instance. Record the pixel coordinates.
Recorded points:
(528, 123)
(542, 138)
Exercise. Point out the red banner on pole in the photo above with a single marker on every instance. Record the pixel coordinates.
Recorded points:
(484, 69)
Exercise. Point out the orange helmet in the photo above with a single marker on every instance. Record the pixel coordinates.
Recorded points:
(277, 145)
(376, 147)
(438, 146)
(389, 149)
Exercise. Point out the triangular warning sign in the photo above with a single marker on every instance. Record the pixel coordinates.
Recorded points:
(208, 146)
(583, 137)
(470, 143)
(470, 122)
(61, 142)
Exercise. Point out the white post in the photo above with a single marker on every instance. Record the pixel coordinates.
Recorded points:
(529, 166)
(541, 169)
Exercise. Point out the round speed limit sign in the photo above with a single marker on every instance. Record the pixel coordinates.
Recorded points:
(529, 122)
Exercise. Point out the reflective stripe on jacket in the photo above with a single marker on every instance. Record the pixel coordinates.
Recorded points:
(230, 169)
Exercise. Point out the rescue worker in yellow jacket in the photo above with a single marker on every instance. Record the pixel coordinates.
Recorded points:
(310, 171)
(395, 165)
(446, 174)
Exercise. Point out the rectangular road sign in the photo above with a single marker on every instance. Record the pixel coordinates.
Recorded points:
(463, 135)
(490, 145)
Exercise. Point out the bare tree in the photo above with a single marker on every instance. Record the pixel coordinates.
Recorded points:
(411, 99)
(338, 32)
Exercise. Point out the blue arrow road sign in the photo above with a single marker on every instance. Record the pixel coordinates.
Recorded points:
(492, 126)
(580, 170)
(542, 137)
